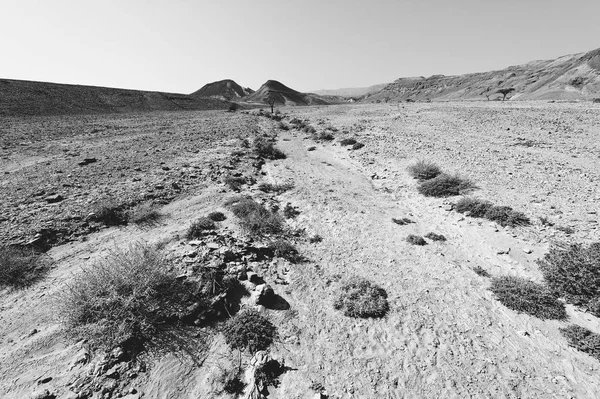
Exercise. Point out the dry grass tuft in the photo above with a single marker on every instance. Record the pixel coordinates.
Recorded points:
(266, 149)
(415, 240)
(582, 339)
(254, 218)
(145, 214)
(445, 185)
(217, 216)
(199, 227)
(506, 216)
(424, 170)
(349, 141)
(110, 213)
(361, 298)
(275, 188)
(285, 250)
(20, 267)
(473, 207)
(435, 237)
(234, 183)
(249, 330)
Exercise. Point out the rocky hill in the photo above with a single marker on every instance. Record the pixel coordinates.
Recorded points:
(570, 77)
(352, 91)
(226, 89)
(286, 96)
(20, 97)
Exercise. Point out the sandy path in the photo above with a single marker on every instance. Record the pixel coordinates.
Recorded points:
(446, 336)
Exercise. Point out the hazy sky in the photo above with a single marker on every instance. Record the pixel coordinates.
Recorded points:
(179, 45)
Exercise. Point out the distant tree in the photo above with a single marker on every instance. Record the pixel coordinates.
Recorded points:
(233, 107)
(505, 92)
(271, 100)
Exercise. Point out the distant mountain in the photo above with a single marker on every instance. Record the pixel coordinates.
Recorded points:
(352, 91)
(571, 77)
(285, 96)
(226, 89)
(20, 97)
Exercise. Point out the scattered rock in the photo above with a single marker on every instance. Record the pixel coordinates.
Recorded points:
(527, 250)
(52, 199)
(42, 394)
(87, 161)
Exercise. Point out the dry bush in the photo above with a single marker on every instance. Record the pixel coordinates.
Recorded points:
(435, 237)
(361, 298)
(324, 136)
(402, 221)
(573, 272)
(445, 186)
(357, 146)
(415, 240)
(480, 271)
(475, 207)
(285, 250)
(283, 126)
(506, 216)
(526, 296)
(199, 227)
(255, 218)
(145, 214)
(234, 183)
(275, 188)
(20, 267)
(424, 170)
(290, 212)
(108, 212)
(249, 330)
(315, 239)
(217, 216)
(349, 141)
(582, 339)
(309, 129)
(266, 149)
(129, 298)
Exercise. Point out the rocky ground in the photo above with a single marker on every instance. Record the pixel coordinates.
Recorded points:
(445, 334)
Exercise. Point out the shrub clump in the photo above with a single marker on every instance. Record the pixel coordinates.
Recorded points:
(144, 214)
(357, 146)
(424, 170)
(200, 226)
(506, 216)
(285, 250)
(435, 237)
(290, 212)
(526, 296)
(266, 149)
(217, 216)
(234, 183)
(20, 267)
(475, 207)
(110, 213)
(315, 239)
(445, 185)
(349, 141)
(402, 221)
(573, 272)
(415, 240)
(275, 188)
(255, 218)
(361, 298)
(249, 330)
(582, 339)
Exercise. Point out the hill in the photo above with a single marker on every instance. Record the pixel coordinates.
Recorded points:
(570, 77)
(20, 97)
(352, 91)
(286, 95)
(226, 89)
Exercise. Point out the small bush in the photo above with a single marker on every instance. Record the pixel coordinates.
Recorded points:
(475, 207)
(324, 136)
(315, 239)
(266, 149)
(309, 129)
(528, 297)
(234, 183)
(348, 142)
(285, 250)
(481, 271)
(290, 212)
(423, 170)
(415, 240)
(506, 216)
(435, 237)
(217, 216)
(200, 226)
(573, 272)
(268, 373)
(233, 384)
(361, 298)
(275, 188)
(311, 148)
(566, 229)
(109, 213)
(358, 146)
(20, 267)
(402, 221)
(144, 214)
(255, 218)
(283, 126)
(582, 339)
(445, 186)
(249, 330)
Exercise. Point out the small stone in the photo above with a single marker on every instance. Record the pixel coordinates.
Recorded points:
(87, 161)
(43, 394)
(503, 251)
(527, 250)
(52, 199)
(213, 245)
(45, 380)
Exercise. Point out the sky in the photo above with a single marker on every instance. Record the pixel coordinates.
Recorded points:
(180, 45)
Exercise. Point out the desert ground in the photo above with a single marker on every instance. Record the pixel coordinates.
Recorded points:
(445, 334)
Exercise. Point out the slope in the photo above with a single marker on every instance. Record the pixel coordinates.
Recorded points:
(227, 89)
(285, 95)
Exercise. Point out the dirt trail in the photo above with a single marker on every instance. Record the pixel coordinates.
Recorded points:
(446, 336)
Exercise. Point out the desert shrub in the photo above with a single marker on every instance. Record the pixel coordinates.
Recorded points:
(275, 188)
(506, 216)
(128, 298)
(266, 149)
(144, 214)
(234, 183)
(217, 216)
(269, 372)
(110, 213)
(582, 339)
(480, 271)
(445, 185)
(315, 239)
(283, 126)
(423, 170)
(20, 267)
(324, 136)
(357, 146)
(249, 330)
(200, 226)
(361, 298)
(295, 121)
(348, 142)
(573, 272)
(290, 212)
(402, 221)
(435, 237)
(526, 296)
(415, 240)
(475, 207)
(233, 107)
(309, 129)
(285, 250)
(311, 148)
(566, 229)
(255, 218)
